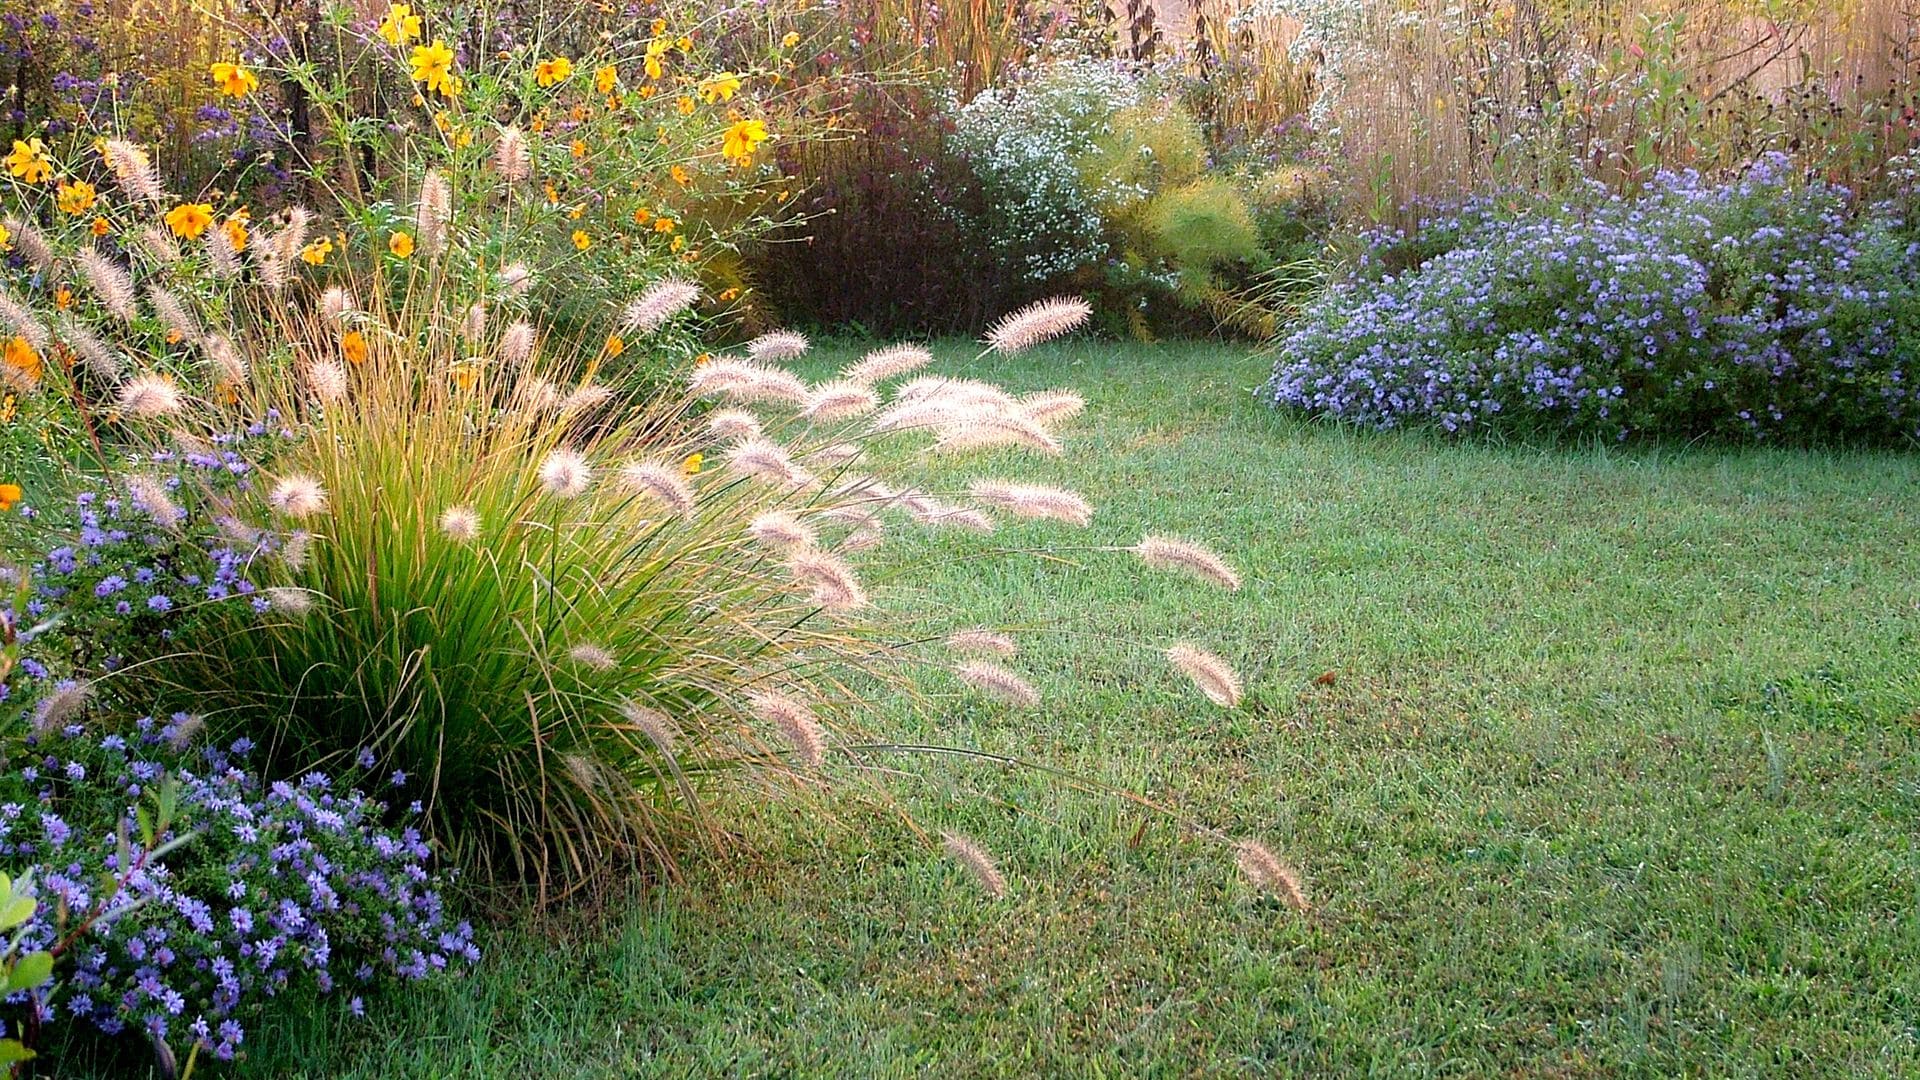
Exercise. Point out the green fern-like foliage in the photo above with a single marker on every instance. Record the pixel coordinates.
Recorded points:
(1145, 149)
(1202, 225)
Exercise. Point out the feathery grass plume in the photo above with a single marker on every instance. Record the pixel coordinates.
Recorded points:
(515, 279)
(994, 432)
(537, 394)
(1166, 553)
(719, 377)
(982, 641)
(298, 496)
(290, 600)
(836, 454)
(585, 399)
(657, 726)
(565, 474)
(962, 517)
(1037, 322)
(998, 681)
(460, 523)
(589, 655)
(663, 484)
(336, 303)
(224, 358)
(434, 212)
(865, 538)
(976, 862)
(516, 344)
(222, 256)
(473, 326)
(56, 709)
(1051, 406)
(733, 424)
(1268, 874)
(151, 496)
(584, 770)
(832, 581)
(839, 401)
(174, 313)
(296, 549)
(90, 352)
(511, 155)
(658, 303)
(276, 253)
(133, 170)
(1214, 676)
(778, 345)
(770, 384)
(767, 460)
(158, 243)
(781, 530)
(795, 721)
(933, 416)
(148, 397)
(181, 733)
(326, 380)
(945, 388)
(20, 317)
(112, 284)
(31, 243)
(1033, 501)
(888, 363)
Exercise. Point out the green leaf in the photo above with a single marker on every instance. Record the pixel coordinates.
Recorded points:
(30, 971)
(13, 1052)
(17, 910)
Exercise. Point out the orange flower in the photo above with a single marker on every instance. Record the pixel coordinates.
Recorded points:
(21, 357)
(101, 226)
(606, 78)
(189, 220)
(642, 215)
(234, 80)
(685, 105)
(236, 229)
(579, 148)
(581, 240)
(76, 198)
(615, 346)
(354, 344)
(680, 175)
(555, 70)
(663, 225)
(400, 244)
(62, 298)
(10, 496)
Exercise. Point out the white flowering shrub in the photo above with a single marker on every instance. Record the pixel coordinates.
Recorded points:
(1040, 220)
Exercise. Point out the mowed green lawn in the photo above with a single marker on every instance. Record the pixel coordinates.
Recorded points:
(1595, 762)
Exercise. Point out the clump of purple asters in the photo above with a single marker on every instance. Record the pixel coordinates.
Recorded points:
(178, 892)
(1767, 308)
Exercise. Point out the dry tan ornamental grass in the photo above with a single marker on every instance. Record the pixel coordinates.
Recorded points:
(577, 614)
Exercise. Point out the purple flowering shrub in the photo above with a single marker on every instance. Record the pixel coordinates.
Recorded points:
(1767, 308)
(178, 892)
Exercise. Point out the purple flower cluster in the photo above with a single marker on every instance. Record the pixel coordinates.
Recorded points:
(177, 893)
(1766, 308)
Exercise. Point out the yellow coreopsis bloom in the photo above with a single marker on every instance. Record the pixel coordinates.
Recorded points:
(606, 78)
(720, 87)
(433, 65)
(685, 105)
(189, 220)
(315, 254)
(234, 80)
(401, 25)
(691, 466)
(556, 70)
(400, 244)
(76, 198)
(680, 174)
(792, 39)
(741, 140)
(236, 229)
(581, 240)
(656, 49)
(659, 27)
(28, 161)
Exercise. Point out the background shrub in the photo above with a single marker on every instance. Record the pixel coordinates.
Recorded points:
(1767, 308)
